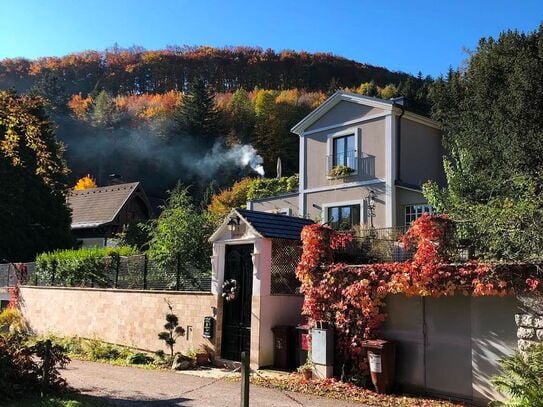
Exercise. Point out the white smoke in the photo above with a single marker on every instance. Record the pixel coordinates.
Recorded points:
(239, 155)
(245, 155)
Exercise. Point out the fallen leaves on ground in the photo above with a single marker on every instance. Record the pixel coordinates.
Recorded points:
(344, 391)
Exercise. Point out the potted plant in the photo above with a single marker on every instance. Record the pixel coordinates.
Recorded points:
(307, 369)
(340, 171)
(202, 357)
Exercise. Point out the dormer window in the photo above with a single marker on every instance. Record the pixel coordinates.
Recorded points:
(344, 151)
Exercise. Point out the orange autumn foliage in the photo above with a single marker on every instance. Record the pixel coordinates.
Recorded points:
(80, 105)
(235, 197)
(87, 182)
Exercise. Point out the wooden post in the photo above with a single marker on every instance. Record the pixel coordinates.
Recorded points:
(46, 368)
(244, 379)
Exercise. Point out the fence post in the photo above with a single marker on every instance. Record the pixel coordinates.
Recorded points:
(145, 272)
(178, 273)
(117, 272)
(244, 379)
(46, 367)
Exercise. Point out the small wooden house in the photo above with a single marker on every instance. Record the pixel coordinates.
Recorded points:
(100, 213)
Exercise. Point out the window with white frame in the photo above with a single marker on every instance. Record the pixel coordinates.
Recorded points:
(413, 212)
(344, 151)
(343, 217)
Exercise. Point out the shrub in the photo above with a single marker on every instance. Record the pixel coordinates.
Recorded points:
(522, 378)
(138, 359)
(22, 367)
(77, 267)
(98, 350)
(172, 329)
(265, 187)
(12, 321)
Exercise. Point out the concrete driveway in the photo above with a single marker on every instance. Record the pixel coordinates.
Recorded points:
(130, 386)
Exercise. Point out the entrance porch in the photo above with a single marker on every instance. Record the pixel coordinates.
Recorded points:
(254, 260)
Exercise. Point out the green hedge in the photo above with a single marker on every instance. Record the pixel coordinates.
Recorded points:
(265, 187)
(78, 267)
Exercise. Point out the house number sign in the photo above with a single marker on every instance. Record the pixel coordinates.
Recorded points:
(375, 362)
(208, 327)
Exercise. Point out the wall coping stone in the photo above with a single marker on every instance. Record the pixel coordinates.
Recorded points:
(119, 290)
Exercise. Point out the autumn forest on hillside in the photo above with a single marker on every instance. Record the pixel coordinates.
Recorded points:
(127, 111)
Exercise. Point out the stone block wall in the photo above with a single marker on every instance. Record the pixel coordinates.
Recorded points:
(530, 321)
(125, 317)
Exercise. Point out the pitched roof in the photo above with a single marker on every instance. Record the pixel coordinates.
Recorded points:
(275, 225)
(388, 105)
(98, 206)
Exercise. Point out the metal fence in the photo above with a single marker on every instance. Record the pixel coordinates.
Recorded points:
(382, 245)
(374, 246)
(132, 272)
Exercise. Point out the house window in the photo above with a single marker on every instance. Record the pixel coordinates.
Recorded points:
(344, 152)
(344, 217)
(413, 212)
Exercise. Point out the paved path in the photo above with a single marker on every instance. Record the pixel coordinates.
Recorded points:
(131, 386)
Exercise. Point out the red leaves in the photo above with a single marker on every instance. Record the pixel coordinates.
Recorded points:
(351, 298)
(532, 283)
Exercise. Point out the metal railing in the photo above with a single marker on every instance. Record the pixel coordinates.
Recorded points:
(382, 245)
(378, 245)
(362, 164)
(132, 272)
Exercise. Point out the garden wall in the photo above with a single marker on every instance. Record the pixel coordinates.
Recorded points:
(125, 317)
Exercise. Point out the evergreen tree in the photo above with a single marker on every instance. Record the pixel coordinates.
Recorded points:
(33, 211)
(50, 86)
(491, 113)
(105, 113)
(198, 114)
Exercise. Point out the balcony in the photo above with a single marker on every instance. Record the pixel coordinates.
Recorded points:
(344, 165)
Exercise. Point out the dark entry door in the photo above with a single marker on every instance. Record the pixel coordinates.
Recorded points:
(236, 330)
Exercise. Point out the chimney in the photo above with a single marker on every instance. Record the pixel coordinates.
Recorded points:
(400, 100)
(115, 179)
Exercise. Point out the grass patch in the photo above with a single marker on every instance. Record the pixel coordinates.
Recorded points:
(95, 350)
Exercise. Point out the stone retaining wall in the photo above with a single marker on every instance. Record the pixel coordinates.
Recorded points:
(126, 317)
(530, 321)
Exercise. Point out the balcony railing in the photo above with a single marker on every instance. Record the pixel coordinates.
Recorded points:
(378, 245)
(361, 164)
(382, 245)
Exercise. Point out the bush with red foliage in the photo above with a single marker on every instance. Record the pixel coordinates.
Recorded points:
(351, 298)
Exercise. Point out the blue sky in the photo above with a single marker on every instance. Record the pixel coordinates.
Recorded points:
(411, 36)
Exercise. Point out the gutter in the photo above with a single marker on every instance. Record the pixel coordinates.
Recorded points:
(399, 141)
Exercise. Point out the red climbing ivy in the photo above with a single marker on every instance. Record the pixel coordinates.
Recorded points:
(351, 298)
(21, 273)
